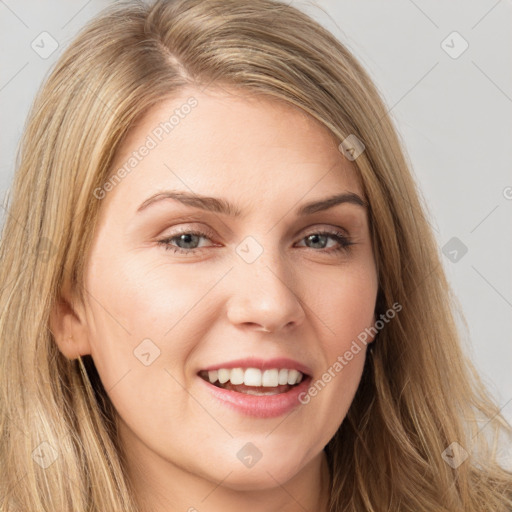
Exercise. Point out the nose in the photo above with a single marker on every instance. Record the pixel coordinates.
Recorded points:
(264, 295)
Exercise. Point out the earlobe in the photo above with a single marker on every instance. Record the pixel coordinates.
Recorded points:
(69, 329)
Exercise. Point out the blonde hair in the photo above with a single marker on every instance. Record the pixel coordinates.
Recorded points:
(419, 392)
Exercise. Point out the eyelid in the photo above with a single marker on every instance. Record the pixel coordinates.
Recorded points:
(340, 235)
(187, 228)
(326, 227)
(205, 230)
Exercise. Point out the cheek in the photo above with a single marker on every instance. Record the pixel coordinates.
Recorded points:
(346, 304)
(152, 298)
(143, 334)
(146, 319)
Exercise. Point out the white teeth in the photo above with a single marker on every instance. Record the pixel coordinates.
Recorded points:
(252, 377)
(224, 375)
(292, 376)
(255, 377)
(237, 376)
(270, 378)
(283, 377)
(212, 376)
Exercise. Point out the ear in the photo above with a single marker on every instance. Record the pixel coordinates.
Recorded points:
(68, 326)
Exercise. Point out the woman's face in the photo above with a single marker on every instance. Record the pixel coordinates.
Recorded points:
(180, 290)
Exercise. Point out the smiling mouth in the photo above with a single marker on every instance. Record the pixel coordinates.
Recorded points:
(253, 381)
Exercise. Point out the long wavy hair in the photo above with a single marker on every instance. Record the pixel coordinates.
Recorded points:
(419, 392)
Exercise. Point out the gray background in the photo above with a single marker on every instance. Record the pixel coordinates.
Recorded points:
(453, 113)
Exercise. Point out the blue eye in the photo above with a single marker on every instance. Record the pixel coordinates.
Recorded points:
(186, 238)
(342, 240)
(189, 240)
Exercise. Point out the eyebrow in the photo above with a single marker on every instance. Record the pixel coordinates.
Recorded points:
(220, 205)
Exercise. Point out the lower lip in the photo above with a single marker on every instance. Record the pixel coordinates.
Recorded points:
(264, 406)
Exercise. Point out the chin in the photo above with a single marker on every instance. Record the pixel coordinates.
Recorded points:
(271, 470)
(260, 478)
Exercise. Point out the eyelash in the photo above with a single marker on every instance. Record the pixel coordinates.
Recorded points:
(343, 241)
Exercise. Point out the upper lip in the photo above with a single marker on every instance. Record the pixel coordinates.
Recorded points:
(262, 364)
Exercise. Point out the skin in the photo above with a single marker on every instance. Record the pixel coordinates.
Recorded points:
(181, 444)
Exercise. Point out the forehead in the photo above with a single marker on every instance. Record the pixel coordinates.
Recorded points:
(234, 144)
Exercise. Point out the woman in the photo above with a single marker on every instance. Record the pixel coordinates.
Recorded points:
(220, 288)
